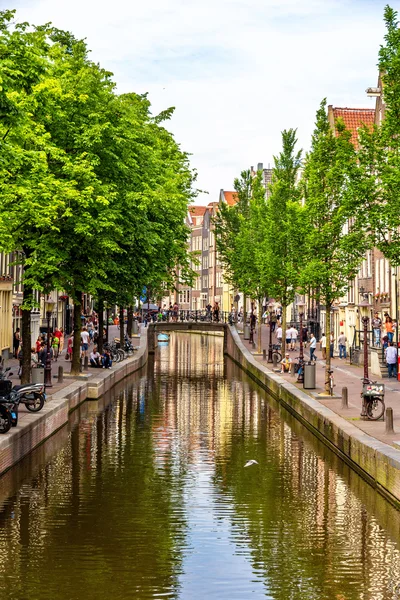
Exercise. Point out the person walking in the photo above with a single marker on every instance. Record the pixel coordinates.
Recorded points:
(61, 347)
(55, 344)
(389, 328)
(342, 345)
(313, 347)
(294, 334)
(84, 341)
(391, 360)
(16, 342)
(279, 335)
(288, 337)
(377, 328)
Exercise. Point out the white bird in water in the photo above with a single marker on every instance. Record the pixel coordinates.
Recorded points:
(251, 462)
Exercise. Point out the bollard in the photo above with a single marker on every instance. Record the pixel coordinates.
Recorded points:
(389, 420)
(274, 361)
(86, 364)
(60, 374)
(345, 400)
(264, 354)
(81, 365)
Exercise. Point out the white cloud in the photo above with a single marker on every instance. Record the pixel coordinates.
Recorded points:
(237, 71)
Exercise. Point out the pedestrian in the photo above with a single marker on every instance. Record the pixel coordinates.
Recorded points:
(61, 347)
(38, 345)
(279, 335)
(331, 344)
(55, 343)
(20, 358)
(70, 347)
(377, 327)
(389, 328)
(16, 342)
(342, 345)
(84, 341)
(294, 334)
(313, 347)
(216, 312)
(391, 360)
(288, 337)
(305, 336)
(322, 345)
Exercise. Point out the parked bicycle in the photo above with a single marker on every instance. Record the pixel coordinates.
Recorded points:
(373, 397)
(276, 353)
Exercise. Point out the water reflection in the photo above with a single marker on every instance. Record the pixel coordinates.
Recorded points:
(146, 496)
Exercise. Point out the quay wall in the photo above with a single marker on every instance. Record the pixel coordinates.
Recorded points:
(35, 428)
(375, 461)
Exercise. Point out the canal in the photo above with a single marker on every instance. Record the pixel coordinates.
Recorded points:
(145, 495)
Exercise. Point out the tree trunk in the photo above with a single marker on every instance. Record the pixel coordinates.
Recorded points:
(76, 352)
(121, 327)
(284, 326)
(328, 346)
(130, 321)
(26, 335)
(101, 326)
(244, 310)
(260, 312)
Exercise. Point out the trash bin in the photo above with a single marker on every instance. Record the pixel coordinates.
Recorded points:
(246, 331)
(135, 328)
(309, 376)
(38, 375)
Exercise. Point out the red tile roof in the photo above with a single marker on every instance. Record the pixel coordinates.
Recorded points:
(231, 198)
(354, 118)
(197, 211)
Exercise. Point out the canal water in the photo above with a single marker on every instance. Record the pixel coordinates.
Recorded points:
(146, 495)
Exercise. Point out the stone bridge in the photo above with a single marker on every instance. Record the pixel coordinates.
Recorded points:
(155, 328)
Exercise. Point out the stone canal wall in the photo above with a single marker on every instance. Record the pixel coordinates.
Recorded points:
(375, 461)
(35, 428)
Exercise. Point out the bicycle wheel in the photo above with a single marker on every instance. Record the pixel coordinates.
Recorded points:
(278, 356)
(122, 355)
(375, 408)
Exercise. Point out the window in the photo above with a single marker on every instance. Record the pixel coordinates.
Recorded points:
(219, 279)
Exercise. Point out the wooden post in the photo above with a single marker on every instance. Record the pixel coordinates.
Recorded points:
(389, 420)
(60, 374)
(345, 400)
(86, 364)
(264, 354)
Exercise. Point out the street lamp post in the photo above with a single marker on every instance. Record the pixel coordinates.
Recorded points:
(365, 308)
(49, 307)
(301, 305)
(270, 307)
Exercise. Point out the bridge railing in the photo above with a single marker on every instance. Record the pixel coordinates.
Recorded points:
(191, 316)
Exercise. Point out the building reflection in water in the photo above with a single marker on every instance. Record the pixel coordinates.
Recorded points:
(146, 493)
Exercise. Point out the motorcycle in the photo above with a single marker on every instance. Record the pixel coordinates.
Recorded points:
(8, 406)
(31, 394)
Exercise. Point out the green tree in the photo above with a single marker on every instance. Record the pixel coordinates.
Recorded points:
(377, 184)
(335, 246)
(284, 227)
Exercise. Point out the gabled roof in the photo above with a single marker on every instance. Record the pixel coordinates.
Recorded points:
(353, 119)
(229, 197)
(197, 211)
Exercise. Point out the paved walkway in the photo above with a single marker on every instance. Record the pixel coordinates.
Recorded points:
(14, 364)
(345, 375)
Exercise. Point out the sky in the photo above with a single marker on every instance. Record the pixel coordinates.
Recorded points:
(238, 72)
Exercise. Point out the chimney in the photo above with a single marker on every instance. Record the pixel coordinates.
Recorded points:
(260, 167)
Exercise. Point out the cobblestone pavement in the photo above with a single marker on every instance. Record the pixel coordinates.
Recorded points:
(345, 375)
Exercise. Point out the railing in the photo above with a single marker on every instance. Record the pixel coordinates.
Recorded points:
(190, 316)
